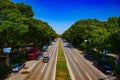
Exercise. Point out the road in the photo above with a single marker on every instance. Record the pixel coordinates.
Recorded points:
(39, 70)
(45, 71)
(80, 68)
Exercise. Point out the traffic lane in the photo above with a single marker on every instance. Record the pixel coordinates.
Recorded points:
(98, 74)
(76, 73)
(21, 75)
(40, 69)
(75, 70)
(50, 69)
(82, 65)
(34, 74)
(88, 68)
(48, 72)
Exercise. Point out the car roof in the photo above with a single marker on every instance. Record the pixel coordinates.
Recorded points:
(16, 65)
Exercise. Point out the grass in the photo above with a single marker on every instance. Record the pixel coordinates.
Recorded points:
(62, 72)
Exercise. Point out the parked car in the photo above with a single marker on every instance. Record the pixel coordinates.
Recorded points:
(17, 67)
(45, 59)
(90, 57)
(105, 68)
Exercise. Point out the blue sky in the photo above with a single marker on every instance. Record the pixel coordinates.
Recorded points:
(61, 14)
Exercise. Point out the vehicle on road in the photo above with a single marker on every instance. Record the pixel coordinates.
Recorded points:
(33, 53)
(45, 59)
(105, 68)
(17, 67)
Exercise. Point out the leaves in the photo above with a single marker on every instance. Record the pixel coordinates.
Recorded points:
(19, 28)
(101, 35)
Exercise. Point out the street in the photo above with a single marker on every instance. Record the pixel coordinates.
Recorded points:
(37, 70)
(80, 68)
(45, 71)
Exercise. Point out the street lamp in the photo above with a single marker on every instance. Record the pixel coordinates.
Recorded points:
(89, 46)
(85, 40)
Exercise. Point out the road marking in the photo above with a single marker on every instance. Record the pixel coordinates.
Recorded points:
(55, 64)
(50, 55)
(76, 59)
(68, 65)
(88, 76)
(43, 67)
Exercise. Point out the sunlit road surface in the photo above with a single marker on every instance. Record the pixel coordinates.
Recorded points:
(80, 68)
(45, 71)
(39, 70)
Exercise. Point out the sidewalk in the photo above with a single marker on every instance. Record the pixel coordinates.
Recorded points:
(22, 74)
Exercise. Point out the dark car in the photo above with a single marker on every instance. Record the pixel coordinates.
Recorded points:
(105, 68)
(17, 67)
(90, 57)
(45, 59)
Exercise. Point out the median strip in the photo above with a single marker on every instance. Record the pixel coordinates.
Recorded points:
(62, 72)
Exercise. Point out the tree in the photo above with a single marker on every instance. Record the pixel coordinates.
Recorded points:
(25, 10)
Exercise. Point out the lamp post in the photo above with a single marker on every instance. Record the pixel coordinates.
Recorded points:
(89, 47)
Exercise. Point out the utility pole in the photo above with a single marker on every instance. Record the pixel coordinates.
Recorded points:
(116, 61)
(7, 51)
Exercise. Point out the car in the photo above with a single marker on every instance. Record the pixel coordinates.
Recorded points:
(17, 67)
(105, 68)
(45, 59)
(89, 56)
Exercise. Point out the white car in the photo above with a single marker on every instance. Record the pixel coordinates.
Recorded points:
(17, 67)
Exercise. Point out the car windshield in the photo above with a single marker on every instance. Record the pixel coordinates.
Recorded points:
(16, 65)
(45, 57)
(108, 67)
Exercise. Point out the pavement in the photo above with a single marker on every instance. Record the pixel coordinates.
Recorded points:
(38, 67)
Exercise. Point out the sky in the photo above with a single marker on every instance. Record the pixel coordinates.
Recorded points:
(61, 14)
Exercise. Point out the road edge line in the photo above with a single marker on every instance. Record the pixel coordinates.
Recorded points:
(69, 69)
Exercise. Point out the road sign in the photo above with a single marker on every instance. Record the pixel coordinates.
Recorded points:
(7, 50)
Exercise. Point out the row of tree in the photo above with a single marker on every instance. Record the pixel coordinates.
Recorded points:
(18, 27)
(98, 34)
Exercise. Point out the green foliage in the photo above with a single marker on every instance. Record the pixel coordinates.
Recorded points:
(19, 28)
(100, 35)
(25, 10)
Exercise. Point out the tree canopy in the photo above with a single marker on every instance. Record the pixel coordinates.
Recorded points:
(18, 27)
(101, 34)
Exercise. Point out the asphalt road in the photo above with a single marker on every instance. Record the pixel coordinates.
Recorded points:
(80, 68)
(45, 71)
(36, 69)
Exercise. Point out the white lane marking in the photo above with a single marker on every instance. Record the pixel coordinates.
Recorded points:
(68, 65)
(50, 55)
(70, 71)
(88, 76)
(83, 69)
(76, 59)
(55, 64)
(44, 68)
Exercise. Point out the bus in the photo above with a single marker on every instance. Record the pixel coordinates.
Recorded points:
(33, 53)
